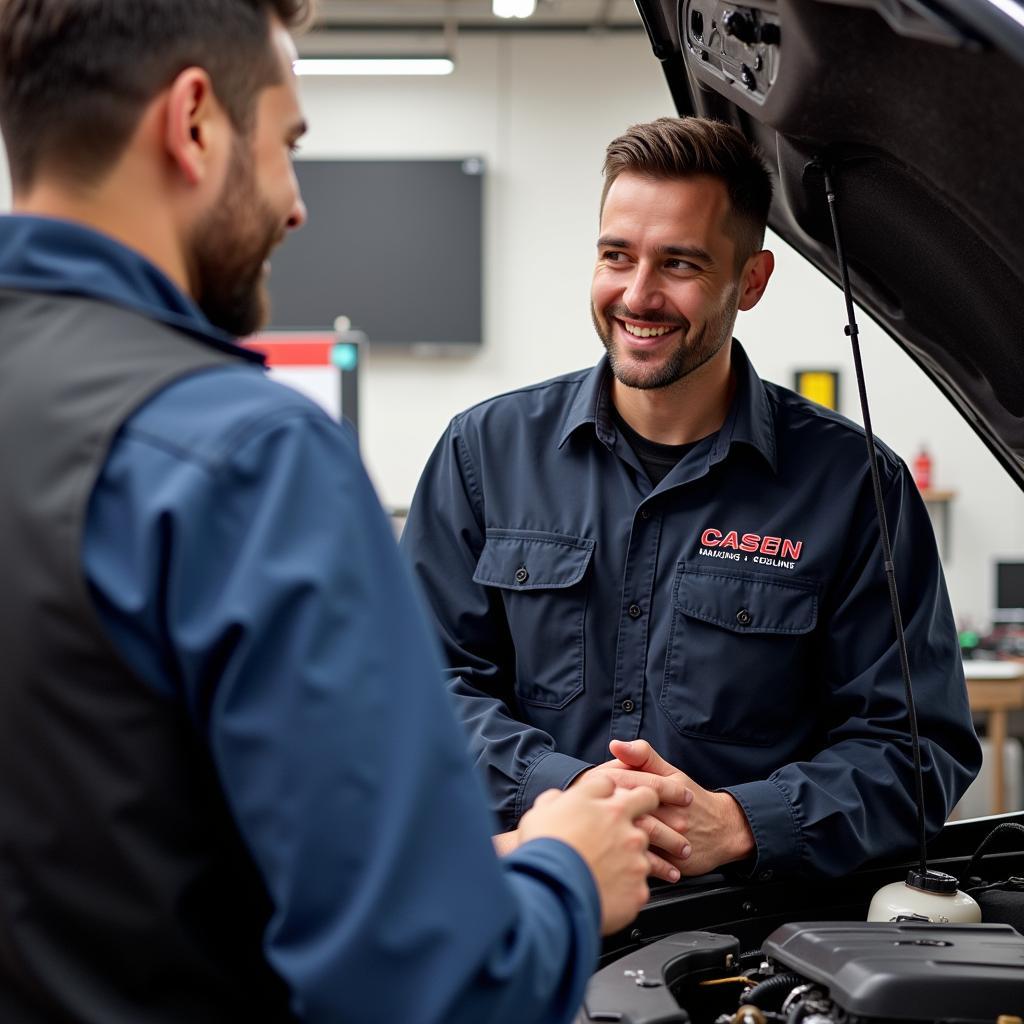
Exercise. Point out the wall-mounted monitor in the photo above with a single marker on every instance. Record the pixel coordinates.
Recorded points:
(394, 245)
(1009, 592)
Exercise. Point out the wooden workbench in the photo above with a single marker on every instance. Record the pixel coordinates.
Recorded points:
(996, 688)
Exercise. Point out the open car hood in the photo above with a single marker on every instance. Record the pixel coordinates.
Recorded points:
(917, 107)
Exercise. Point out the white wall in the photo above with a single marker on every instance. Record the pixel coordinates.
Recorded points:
(541, 109)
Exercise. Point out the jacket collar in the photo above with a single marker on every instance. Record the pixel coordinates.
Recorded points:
(750, 419)
(46, 254)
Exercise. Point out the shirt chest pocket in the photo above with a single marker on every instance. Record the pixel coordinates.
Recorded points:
(740, 653)
(541, 579)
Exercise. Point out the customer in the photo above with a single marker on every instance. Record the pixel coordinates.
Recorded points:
(231, 785)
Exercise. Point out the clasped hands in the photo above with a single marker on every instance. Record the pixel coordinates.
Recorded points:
(692, 830)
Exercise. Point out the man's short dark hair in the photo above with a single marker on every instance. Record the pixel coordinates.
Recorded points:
(683, 147)
(76, 75)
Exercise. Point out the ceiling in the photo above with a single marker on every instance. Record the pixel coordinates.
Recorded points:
(474, 16)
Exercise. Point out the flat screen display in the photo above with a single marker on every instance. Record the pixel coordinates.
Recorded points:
(394, 245)
(1010, 585)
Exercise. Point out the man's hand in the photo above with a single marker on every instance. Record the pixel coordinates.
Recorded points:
(664, 828)
(505, 842)
(598, 820)
(712, 824)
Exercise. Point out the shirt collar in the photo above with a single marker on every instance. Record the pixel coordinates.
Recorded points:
(592, 405)
(46, 254)
(750, 420)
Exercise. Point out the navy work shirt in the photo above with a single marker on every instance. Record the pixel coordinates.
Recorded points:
(242, 566)
(736, 615)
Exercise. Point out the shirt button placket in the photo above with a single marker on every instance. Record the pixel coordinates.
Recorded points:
(641, 556)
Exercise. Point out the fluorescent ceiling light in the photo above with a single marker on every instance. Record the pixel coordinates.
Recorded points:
(374, 66)
(514, 8)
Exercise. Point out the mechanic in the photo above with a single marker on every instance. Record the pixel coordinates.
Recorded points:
(211, 644)
(669, 556)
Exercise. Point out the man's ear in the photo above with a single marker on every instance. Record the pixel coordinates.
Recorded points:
(195, 121)
(754, 278)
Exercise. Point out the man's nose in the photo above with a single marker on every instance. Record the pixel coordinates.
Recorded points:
(643, 291)
(298, 215)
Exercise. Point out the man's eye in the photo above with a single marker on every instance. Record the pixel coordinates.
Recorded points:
(680, 265)
(293, 148)
(613, 256)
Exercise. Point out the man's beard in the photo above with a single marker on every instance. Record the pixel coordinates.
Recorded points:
(650, 370)
(230, 248)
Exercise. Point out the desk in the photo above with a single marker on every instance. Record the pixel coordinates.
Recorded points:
(996, 687)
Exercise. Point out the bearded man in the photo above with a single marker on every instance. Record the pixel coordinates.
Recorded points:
(668, 556)
(208, 636)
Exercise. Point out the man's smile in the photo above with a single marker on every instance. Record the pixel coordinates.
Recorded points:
(645, 333)
(642, 331)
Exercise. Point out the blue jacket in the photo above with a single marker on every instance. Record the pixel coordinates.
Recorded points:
(736, 615)
(242, 567)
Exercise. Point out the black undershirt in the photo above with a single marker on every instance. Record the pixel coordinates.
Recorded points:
(657, 459)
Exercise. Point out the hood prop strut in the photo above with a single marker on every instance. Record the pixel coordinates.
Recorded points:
(883, 529)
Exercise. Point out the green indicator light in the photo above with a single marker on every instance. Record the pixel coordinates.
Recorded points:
(345, 356)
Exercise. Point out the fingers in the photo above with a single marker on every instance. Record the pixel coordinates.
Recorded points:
(673, 790)
(546, 797)
(661, 868)
(667, 839)
(670, 789)
(595, 784)
(676, 818)
(638, 801)
(640, 754)
(505, 843)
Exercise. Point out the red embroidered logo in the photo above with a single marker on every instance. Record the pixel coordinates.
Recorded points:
(780, 547)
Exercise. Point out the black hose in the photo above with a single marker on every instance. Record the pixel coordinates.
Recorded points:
(797, 1012)
(1007, 828)
(778, 985)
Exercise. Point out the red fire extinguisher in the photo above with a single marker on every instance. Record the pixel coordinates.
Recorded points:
(921, 467)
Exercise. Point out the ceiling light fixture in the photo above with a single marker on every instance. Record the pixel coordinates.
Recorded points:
(514, 8)
(310, 66)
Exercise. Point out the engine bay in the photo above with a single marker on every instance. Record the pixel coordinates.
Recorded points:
(819, 973)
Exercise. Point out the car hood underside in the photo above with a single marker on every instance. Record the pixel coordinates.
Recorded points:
(917, 110)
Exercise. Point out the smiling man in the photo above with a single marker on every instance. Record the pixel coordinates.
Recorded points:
(668, 556)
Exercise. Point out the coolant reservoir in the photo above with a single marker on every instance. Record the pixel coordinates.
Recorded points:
(930, 894)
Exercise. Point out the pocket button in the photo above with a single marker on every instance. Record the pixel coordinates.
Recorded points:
(743, 617)
(521, 574)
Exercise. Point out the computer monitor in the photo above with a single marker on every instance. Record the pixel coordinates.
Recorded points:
(1009, 593)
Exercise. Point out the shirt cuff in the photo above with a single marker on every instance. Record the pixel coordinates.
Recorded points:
(560, 862)
(777, 833)
(551, 770)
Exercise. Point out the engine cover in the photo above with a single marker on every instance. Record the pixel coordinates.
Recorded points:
(908, 971)
(837, 973)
